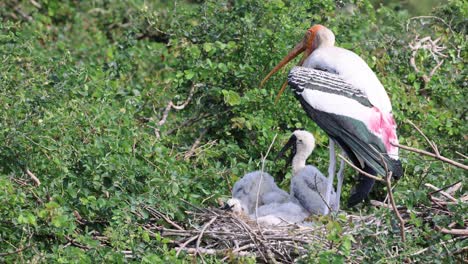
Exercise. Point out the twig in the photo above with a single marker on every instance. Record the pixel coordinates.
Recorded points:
(252, 235)
(261, 177)
(36, 4)
(240, 249)
(161, 215)
(269, 253)
(217, 252)
(426, 249)
(454, 188)
(33, 177)
(203, 230)
(458, 232)
(384, 205)
(430, 17)
(394, 207)
(171, 105)
(187, 122)
(190, 153)
(463, 156)
(430, 142)
(76, 244)
(14, 252)
(434, 147)
(441, 158)
(427, 43)
(324, 200)
(450, 188)
(450, 197)
(361, 171)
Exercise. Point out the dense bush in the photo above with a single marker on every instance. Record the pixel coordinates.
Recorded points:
(85, 84)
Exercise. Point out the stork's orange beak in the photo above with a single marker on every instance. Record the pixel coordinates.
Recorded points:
(304, 46)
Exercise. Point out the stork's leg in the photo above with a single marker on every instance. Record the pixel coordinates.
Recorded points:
(331, 175)
(340, 177)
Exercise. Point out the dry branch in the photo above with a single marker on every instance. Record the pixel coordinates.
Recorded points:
(216, 252)
(171, 105)
(454, 188)
(197, 142)
(458, 232)
(33, 177)
(361, 171)
(14, 252)
(261, 176)
(434, 147)
(430, 45)
(437, 190)
(203, 230)
(394, 207)
(439, 157)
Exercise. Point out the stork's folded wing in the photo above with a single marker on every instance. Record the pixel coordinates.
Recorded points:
(344, 113)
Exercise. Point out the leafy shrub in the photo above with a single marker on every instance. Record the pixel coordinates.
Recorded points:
(84, 85)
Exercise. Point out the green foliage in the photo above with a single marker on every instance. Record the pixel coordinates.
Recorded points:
(84, 85)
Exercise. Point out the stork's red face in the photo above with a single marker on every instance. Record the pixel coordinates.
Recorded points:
(306, 46)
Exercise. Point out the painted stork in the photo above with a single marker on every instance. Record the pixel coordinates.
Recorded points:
(339, 91)
(308, 185)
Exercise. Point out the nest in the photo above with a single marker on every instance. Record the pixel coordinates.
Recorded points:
(228, 236)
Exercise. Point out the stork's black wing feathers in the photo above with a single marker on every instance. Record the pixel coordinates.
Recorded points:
(301, 78)
(351, 134)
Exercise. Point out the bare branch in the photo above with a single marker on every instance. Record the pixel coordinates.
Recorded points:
(361, 171)
(261, 176)
(394, 207)
(216, 252)
(450, 197)
(171, 105)
(430, 45)
(434, 147)
(190, 153)
(428, 17)
(202, 231)
(458, 232)
(14, 252)
(158, 214)
(451, 189)
(439, 157)
(461, 155)
(33, 177)
(182, 247)
(36, 4)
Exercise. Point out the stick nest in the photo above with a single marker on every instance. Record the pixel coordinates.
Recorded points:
(218, 232)
(212, 231)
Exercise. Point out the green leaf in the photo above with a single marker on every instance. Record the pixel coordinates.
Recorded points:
(231, 98)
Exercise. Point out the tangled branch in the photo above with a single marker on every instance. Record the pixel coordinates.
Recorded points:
(171, 105)
(434, 49)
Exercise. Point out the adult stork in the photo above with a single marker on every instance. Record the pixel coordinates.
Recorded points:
(343, 96)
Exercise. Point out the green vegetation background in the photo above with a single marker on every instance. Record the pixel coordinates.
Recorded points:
(84, 85)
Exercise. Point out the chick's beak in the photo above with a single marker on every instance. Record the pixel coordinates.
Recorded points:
(291, 144)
